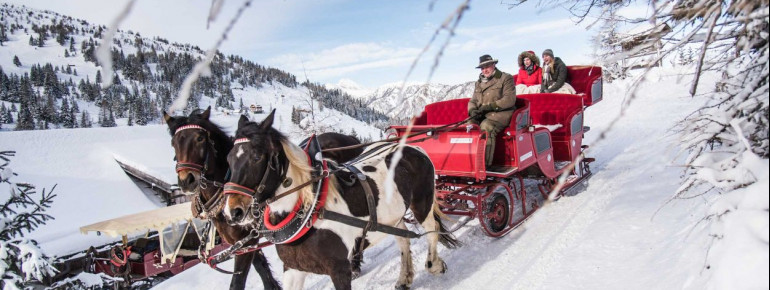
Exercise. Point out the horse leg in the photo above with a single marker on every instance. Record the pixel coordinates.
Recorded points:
(294, 279)
(406, 276)
(434, 263)
(241, 269)
(358, 258)
(342, 277)
(263, 268)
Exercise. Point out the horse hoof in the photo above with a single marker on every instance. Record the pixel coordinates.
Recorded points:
(435, 269)
(355, 273)
(443, 267)
(402, 287)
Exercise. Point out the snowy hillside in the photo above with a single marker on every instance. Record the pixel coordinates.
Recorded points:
(81, 162)
(47, 65)
(618, 233)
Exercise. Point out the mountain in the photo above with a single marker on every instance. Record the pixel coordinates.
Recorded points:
(400, 104)
(350, 87)
(49, 78)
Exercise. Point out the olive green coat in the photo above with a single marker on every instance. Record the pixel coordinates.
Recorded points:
(500, 90)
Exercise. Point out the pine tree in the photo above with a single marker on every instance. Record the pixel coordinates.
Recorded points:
(49, 113)
(21, 259)
(130, 117)
(85, 120)
(75, 107)
(294, 115)
(16, 61)
(99, 77)
(25, 119)
(3, 35)
(65, 113)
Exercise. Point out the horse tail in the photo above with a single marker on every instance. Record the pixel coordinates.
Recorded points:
(446, 238)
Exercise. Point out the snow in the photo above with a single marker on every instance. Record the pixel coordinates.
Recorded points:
(617, 233)
(352, 88)
(622, 231)
(550, 128)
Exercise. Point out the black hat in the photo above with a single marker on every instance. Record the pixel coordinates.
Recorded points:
(548, 52)
(486, 59)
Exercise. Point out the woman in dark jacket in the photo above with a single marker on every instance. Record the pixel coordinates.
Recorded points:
(555, 75)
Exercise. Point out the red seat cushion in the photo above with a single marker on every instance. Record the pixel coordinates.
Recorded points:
(447, 112)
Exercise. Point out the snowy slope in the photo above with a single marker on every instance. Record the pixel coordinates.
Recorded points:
(91, 187)
(618, 233)
(269, 95)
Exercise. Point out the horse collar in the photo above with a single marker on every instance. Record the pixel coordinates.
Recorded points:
(300, 220)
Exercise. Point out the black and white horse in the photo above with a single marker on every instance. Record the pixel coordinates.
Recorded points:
(263, 163)
(201, 148)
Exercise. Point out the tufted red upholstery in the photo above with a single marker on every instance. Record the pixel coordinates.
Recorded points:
(447, 112)
(581, 77)
(552, 109)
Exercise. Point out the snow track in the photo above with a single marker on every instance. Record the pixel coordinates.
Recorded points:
(615, 234)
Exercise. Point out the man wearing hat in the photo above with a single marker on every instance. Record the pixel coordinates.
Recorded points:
(493, 96)
(555, 77)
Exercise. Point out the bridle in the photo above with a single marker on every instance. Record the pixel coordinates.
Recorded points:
(200, 168)
(273, 164)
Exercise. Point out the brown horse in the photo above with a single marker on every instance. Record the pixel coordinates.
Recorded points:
(263, 162)
(201, 149)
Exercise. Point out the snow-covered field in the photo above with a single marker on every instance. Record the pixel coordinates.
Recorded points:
(618, 233)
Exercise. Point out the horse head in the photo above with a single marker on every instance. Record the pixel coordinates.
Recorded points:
(258, 164)
(199, 148)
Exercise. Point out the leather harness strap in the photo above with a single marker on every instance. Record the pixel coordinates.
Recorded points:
(355, 222)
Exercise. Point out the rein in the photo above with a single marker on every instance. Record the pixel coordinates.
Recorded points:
(444, 128)
(440, 129)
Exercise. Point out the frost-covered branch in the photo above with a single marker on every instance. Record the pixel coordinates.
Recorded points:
(21, 260)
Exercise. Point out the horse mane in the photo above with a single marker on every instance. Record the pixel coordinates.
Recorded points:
(299, 170)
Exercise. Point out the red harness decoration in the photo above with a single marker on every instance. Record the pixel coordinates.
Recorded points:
(293, 213)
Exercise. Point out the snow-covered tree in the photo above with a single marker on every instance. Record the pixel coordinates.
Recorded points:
(16, 61)
(85, 120)
(726, 140)
(21, 260)
(25, 119)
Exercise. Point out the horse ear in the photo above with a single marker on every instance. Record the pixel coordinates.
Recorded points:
(268, 121)
(205, 115)
(242, 121)
(167, 118)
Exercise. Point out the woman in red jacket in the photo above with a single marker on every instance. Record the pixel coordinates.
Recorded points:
(530, 74)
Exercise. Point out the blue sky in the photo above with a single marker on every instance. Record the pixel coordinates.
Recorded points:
(369, 42)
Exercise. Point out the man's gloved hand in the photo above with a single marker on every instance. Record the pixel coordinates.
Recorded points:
(491, 107)
(474, 112)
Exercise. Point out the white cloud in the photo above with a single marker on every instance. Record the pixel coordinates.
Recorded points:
(346, 58)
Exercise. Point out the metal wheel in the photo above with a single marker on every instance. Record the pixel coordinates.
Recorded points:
(497, 212)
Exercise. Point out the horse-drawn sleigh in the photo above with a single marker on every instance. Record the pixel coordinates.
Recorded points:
(322, 213)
